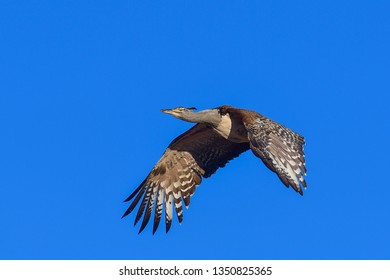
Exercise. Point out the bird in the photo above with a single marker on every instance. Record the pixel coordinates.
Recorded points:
(219, 135)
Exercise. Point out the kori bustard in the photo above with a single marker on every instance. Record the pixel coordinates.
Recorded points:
(220, 134)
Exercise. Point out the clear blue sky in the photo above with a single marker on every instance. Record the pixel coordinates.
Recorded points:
(81, 86)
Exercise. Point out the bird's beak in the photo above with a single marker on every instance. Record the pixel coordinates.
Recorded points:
(166, 111)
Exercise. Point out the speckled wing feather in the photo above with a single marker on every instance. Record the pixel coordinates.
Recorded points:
(197, 153)
(280, 148)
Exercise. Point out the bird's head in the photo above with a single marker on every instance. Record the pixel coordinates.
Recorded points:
(210, 117)
(179, 112)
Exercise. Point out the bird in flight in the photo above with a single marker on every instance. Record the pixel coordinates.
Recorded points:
(220, 134)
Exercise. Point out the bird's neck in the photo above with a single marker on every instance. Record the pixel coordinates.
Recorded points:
(209, 117)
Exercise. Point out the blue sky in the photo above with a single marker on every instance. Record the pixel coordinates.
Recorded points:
(82, 83)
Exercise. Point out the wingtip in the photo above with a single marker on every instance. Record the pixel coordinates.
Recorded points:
(154, 228)
(167, 227)
(127, 212)
(304, 187)
(142, 228)
(299, 190)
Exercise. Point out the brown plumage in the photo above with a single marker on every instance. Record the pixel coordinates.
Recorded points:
(220, 135)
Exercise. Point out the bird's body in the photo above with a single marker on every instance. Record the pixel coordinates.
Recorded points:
(220, 135)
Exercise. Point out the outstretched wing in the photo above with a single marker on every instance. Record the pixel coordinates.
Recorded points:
(197, 153)
(280, 148)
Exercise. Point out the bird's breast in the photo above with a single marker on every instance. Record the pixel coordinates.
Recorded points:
(233, 130)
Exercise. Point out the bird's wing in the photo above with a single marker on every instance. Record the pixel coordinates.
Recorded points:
(197, 153)
(280, 148)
